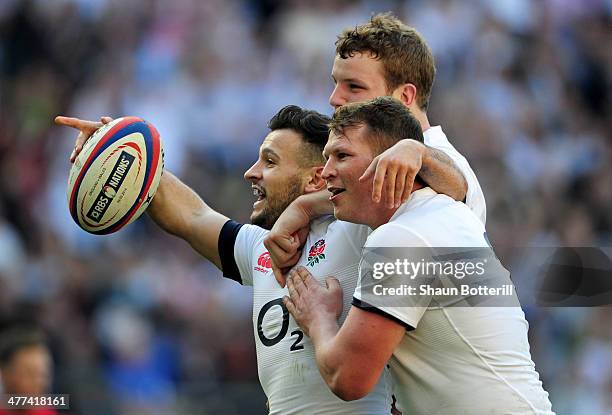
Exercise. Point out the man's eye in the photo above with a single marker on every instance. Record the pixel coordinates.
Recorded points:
(341, 156)
(355, 86)
(270, 161)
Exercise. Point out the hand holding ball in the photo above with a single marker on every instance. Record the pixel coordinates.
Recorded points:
(115, 176)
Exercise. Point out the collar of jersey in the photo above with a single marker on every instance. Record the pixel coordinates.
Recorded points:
(414, 196)
(433, 131)
(434, 136)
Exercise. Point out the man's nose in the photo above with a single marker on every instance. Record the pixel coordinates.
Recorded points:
(328, 171)
(336, 99)
(253, 173)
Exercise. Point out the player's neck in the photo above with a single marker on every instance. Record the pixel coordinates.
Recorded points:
(418, 184)
(422, 118)
(384, 215)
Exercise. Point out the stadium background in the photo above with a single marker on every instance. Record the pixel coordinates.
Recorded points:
(138, 323)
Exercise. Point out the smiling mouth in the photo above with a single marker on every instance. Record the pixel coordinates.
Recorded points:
(259, 193)
(335, 191)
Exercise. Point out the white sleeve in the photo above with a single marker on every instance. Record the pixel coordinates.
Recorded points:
(248, 239)
(406, 309)
(475, 197)
(237, 244)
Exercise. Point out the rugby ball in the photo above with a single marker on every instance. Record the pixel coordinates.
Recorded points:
(115, 176)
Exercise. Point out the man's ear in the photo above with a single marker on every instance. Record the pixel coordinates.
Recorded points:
(315, 181)
(406, 93)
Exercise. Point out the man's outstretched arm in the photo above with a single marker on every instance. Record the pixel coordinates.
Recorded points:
(178, 210)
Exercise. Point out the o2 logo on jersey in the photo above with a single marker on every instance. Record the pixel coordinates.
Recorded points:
(316, 252)
(264, 263)
(271, 341)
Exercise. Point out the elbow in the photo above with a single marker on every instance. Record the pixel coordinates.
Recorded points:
(461, 196)
(350, 389)
(347, 377)
(349, 393)
(463, 189)
(459, 192)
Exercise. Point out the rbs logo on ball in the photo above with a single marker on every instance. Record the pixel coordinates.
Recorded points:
(110, 188)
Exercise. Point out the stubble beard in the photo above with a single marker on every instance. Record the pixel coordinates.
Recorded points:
(276, 205)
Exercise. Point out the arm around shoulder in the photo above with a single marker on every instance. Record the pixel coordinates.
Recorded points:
(441, 173)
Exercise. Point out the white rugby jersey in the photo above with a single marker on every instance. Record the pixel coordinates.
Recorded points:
(454, 360)
(285, 356)
(435, 137)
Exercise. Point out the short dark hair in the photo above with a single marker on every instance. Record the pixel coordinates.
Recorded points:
(312, 127)
(14, 339)
(405, 56)
(387, 119)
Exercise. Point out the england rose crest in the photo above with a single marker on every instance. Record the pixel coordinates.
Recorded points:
(316, 252)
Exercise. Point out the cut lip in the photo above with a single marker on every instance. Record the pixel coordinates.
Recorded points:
(258, 192)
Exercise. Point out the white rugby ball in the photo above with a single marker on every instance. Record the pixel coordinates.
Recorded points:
(115, 176)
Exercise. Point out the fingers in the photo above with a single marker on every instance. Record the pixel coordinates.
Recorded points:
(400, 182)
(291, 286)
(297, 287)
(290, 305)
(379, 180)
(106, 119)
(78, 145)
(300, 280)
(281, 261)
(86, 129)
(80, 141)
(73, 154)
(333, 284)
(285, 260)
(77, 123)
(286, 244)
(293, 260)
(67, 121)
(279, 276)
(390, 184)
(280, 245)
(397, 181)
(305, 277)
(296, 282)
(403, 185)
(280, 257)
(296, 290)
(408, 186)
(370, 170)
(335, 290)
(301, 234)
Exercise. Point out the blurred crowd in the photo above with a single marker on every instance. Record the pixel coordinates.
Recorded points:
(139, 324)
